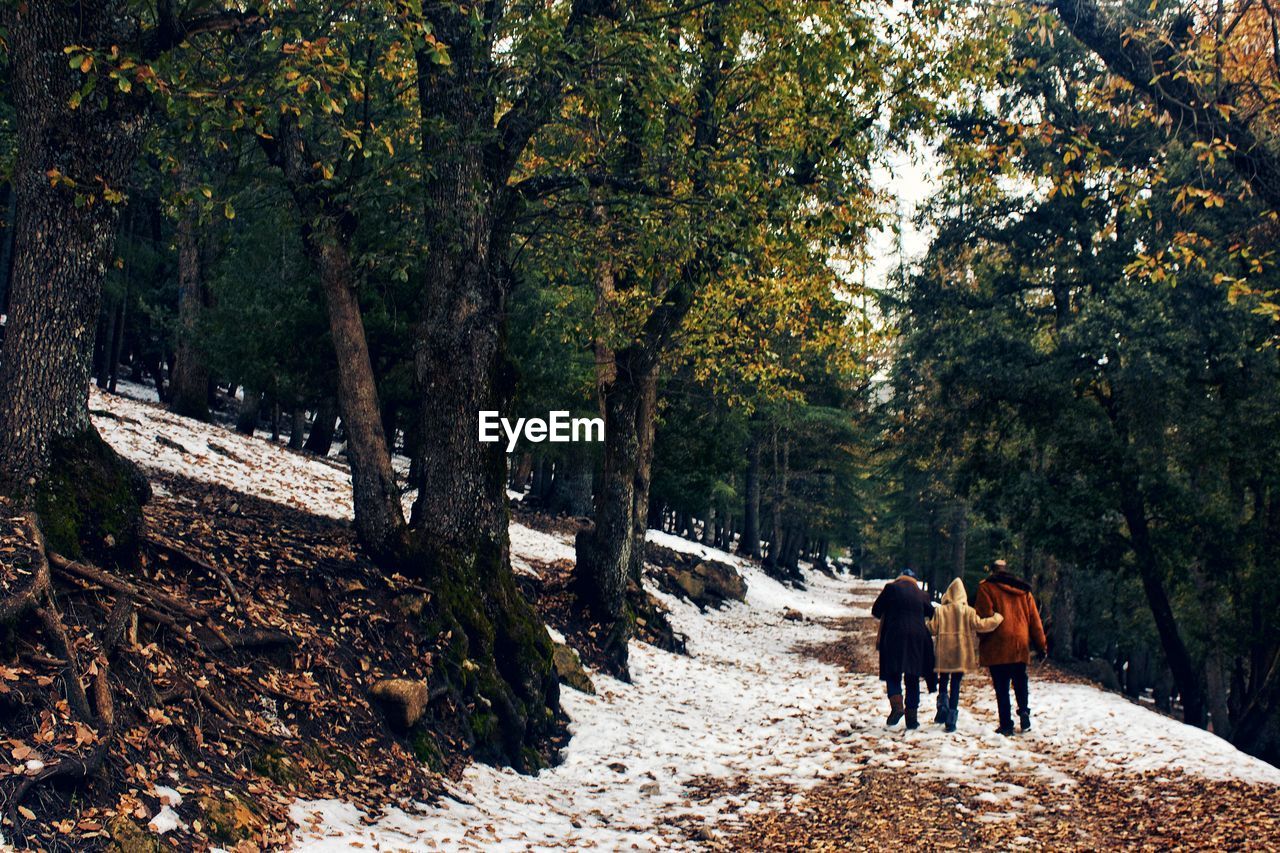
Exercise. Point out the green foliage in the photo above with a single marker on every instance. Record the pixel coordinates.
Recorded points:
(1081, 404)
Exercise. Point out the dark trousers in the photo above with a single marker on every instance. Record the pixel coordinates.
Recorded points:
(894, 684)
(1002, 675)
(949, 689)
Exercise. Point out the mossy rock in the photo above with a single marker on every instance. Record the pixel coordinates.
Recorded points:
(569, 669)
(275, 764)
(228, 819)
(427, 749)
(128, 837)
(90, 502)
(322, 755)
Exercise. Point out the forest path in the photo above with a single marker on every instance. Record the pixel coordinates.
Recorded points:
(771, 734)
(1095, 772)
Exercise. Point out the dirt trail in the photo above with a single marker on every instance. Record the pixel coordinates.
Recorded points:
(913, 791)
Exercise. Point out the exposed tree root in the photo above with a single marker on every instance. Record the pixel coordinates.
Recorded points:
(37, 598)
(177, 555)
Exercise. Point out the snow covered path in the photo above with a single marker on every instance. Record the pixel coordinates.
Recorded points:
(747, 723)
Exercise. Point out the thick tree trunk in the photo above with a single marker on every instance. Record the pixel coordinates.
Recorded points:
(709, 526)
(320, 439)
(6, 248)
(379, 517)
(459, 523)
(61, 245)
(189, 379)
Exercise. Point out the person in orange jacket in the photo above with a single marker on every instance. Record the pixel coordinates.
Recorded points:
(1006, 651)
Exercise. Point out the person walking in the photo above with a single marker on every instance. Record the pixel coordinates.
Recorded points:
(1006, 651)
(906, 649)
(955, 627)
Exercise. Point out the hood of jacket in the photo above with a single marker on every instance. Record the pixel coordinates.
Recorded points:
(1011, 582)
(956, 593)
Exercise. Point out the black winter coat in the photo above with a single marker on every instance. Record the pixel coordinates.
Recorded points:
(905, 644)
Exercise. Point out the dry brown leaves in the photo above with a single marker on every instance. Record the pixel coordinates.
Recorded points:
(264, 721)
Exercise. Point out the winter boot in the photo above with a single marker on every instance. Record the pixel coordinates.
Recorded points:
(953, 715)
(895, 709)
(1007, 731)
(1024, 720)
(913, 720)
(942, 708)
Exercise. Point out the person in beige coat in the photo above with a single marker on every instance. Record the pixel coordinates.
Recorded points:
(955, 627)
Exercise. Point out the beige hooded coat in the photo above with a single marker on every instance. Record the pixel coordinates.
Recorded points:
(955, 626)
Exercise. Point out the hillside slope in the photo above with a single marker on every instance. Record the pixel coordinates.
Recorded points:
(752, 732)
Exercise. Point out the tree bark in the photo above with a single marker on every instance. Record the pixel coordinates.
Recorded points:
(297, 427)
(61, 247)
(320, 439)
(189, 379)
(572, 492)
(749, 544)
(379, 517)
(1185, 672)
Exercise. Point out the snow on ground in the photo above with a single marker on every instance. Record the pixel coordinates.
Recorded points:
(745, 703)
(742, 704)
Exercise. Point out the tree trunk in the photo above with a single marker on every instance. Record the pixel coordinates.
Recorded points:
(189, 378)
(379, 517)
(1185, 672)
(250, 409)
(521, 473)
(709, 526)
(611, 552)
(320, 439)
(390, 418)
(297, 427)
(117, 338)
(538, 485)
(959, 537)
(459, 535)
(106, 344)
(749, 544)
(63, 240)
(572, 492)
(773, 560)
(646, 427)
(6, 249)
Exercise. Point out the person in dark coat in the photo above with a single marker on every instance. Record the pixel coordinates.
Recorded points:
(905, 645)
